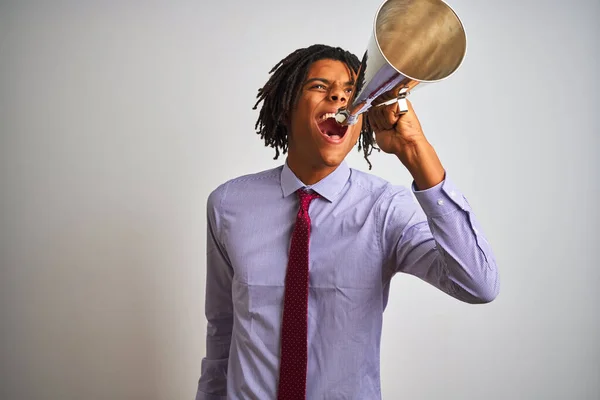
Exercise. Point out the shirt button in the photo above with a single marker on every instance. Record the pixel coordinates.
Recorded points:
(440, 202)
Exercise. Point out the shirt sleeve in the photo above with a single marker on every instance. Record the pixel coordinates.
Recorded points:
(439, 240)
(212, 384)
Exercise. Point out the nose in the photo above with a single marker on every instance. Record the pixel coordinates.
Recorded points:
(338, 94)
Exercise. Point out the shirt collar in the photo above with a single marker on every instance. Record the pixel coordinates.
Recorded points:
(328, 187)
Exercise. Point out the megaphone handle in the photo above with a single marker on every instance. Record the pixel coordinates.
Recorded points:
(401, 99)
(402, 105)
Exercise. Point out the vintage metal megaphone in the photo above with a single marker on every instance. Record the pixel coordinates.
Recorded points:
(413, 42)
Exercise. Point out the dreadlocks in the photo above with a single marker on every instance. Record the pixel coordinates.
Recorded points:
(280, 93)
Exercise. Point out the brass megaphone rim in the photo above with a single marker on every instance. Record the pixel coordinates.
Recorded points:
(412, 77)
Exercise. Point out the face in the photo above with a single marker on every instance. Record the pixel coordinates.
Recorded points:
(315, 139)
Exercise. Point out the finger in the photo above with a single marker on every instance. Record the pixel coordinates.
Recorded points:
(373, 122)
(409, 110)
(384, 117)
(410, 107)
(372, 116)
(392, 114)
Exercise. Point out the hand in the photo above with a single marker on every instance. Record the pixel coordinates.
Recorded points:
(401, 134)
(395, 133)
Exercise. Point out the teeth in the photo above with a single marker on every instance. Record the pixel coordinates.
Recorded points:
(328, 115)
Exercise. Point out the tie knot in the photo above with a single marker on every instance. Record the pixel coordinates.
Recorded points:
(306, 198)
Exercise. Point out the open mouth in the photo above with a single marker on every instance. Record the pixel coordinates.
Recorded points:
(330, 128)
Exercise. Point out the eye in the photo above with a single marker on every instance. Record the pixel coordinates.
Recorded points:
(349, 90)
(318, 86)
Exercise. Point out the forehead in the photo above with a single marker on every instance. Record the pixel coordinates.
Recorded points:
(331, 69)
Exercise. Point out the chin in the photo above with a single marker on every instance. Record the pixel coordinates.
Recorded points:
(332, 160)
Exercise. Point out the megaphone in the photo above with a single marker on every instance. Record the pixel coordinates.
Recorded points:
(413, 42)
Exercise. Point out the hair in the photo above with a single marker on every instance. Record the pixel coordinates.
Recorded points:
(280, 94)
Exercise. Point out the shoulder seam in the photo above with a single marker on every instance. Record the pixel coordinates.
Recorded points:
(254, 177)
(220, 208)
(357, 181)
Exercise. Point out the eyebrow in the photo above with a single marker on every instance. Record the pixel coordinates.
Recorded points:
(327, 82)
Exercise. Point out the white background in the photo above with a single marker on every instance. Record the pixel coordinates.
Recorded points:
(117, 119)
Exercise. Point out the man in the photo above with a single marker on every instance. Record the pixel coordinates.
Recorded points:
(300, 257)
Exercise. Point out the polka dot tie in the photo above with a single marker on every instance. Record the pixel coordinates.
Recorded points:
(294, 341)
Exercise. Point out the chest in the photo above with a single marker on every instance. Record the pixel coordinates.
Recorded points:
(343, 245)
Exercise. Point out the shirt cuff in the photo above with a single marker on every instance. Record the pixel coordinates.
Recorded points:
(441, 199)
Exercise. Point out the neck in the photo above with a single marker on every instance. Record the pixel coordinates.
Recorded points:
(308, 173)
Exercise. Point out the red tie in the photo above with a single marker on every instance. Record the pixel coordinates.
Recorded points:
(294, 340)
